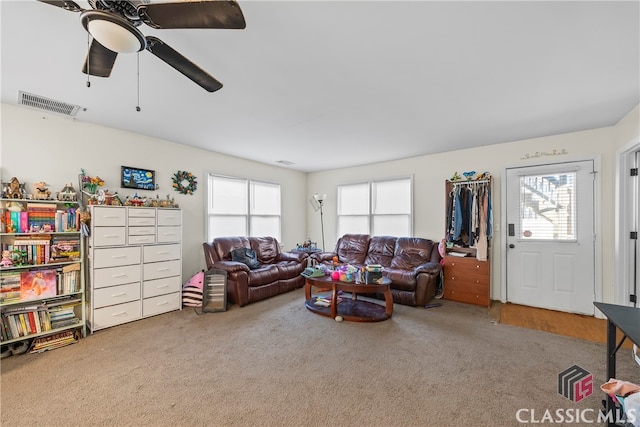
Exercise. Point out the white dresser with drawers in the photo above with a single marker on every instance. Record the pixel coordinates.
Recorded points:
(135, 264)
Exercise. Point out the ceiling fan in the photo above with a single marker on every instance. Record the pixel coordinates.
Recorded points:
(113, 25)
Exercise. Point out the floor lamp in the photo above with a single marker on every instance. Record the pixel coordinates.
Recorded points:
(320, 200)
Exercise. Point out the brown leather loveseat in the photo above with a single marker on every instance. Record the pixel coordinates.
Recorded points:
(412, 263)
(277, 271)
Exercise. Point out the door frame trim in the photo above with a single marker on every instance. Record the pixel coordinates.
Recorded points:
(622, 279)
(597, 219)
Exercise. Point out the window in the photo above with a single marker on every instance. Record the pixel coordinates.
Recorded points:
(241, 207)
(378, 208)
(548, 207)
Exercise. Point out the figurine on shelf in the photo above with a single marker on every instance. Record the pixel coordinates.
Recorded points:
(68, 194)
(455, 177)
(116, 201)
(42, 191)
(136, 201)
(6, 259)
(100, 196)
(484, 175)
(14, 189)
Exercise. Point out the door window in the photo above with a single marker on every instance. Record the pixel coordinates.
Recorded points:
(548, 207)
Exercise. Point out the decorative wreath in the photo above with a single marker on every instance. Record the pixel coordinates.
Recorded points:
(178, 182)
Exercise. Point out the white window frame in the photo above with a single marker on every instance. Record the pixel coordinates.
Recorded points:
(249, 212)
(373, 205)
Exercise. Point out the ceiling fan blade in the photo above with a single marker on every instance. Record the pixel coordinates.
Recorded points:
(182, 64)
(64, 4)
(99, 60)
(201, 14)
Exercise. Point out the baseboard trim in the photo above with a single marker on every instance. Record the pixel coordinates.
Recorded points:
(574, 325)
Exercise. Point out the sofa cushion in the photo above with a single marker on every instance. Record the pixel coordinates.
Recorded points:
(263, 275)
(290, 269)
(224, 245)
(352, 248)
(267, 249)
(381, 250)
(410, 252)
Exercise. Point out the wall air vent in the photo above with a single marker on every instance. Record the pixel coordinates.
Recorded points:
(285, 162)
(47, 104)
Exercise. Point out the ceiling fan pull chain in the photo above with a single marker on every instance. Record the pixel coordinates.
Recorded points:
(138, 63)
(88, 59)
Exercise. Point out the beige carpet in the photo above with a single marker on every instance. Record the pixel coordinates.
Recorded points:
(274, 363)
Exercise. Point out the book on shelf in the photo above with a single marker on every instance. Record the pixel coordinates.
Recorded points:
(69, 279)
(41, 216)
(68, 220)
(23, 324)
(65, 248)
(38, 284)
(30, 321)
(37, 247)
(9, 286)
(14, 220)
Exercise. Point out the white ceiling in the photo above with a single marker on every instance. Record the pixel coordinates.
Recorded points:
(334, 84)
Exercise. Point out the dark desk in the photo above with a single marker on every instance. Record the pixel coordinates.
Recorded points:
(627, 319)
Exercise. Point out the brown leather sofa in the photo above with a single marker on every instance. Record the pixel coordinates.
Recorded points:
(412, 263)
(278, 272)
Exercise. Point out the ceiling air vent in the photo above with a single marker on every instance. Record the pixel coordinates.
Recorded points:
(285, 162)
(48, 104)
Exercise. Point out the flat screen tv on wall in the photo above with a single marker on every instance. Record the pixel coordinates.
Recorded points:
(139, 179)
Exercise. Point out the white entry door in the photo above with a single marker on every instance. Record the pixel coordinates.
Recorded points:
(550, 236)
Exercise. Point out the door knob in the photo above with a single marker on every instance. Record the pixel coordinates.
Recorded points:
(512, 246)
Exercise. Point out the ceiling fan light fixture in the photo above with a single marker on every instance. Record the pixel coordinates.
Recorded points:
(113, 32)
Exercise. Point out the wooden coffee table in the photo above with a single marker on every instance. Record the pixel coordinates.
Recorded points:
(352, 308)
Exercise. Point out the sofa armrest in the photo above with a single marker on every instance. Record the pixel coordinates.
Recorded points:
(431, 268)
(299, 257)
(323, 256)
(230, 266)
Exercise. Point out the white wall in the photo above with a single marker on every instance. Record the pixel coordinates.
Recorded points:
(430, 173)
(36, 146)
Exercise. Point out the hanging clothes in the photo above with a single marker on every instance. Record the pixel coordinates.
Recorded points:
(469, 216)
(482, 243)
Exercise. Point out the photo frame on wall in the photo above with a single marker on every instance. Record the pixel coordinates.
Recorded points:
(137, 178)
